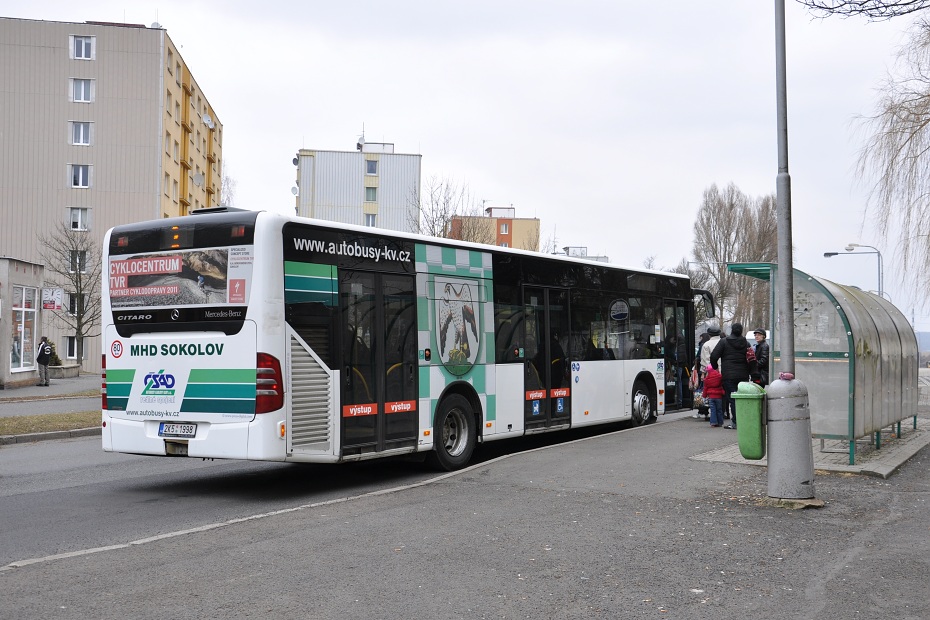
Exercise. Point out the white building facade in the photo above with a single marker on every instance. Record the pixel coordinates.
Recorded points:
(371, 186)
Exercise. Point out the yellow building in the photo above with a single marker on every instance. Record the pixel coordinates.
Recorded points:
(102, 124)
(500, 227)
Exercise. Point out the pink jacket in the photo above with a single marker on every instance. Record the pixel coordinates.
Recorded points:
(713, 384)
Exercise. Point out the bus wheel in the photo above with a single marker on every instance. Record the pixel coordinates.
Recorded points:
(644, 410)
(454, 434)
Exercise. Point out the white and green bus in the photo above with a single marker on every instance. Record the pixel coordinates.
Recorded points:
(251, 335)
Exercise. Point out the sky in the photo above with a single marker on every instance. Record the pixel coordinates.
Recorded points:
(605, 119)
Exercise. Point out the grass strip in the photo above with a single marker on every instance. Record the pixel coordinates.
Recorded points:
(23, 424)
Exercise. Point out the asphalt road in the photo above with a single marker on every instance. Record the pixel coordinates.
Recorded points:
(617, 525)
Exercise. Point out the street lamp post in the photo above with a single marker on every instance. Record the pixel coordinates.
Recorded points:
(881, 270)
(790, 454)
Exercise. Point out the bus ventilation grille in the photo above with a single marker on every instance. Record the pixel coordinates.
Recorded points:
(311, 393)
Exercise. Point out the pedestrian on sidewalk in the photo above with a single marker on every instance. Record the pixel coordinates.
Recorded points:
(730, 353)
(713, 395)
(43, 355)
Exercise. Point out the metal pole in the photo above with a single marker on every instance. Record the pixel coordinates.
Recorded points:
(784, 279)
(791, 457)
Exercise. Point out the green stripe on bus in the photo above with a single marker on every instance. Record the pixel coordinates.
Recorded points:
(220, 390)
(214, 405)
(120, 376)
(118, 390)
(117, 404)
(308, 269)
(305, 283)
(222, 375)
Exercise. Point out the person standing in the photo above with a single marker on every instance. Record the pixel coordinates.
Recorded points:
(43, 356)
(713, 395)
(729, 356)
(762, 357)
(707, 348)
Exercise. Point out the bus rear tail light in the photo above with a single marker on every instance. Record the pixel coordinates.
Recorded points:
(269, 384)
(103, 382)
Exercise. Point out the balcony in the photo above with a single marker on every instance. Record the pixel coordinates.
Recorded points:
(211, 157)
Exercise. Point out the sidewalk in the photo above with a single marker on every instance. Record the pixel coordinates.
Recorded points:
(57, 388)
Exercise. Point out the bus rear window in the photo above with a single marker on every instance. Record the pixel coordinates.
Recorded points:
(183, 273)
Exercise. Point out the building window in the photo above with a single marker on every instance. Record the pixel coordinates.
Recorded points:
(177, 151)
(22, 349)
(82, 48)
(371, 166)
(169, 102)
(370, 219)
(71, 348)
(80, 175)
(174, 191)
(78, 261)
(80, 218)
(505, 228)
(371, 194)
(177, 112)
(170, 62)
(80, 133)
(167, 143)
(81, 90)
(177, 73)
(167, 183)
(505, 245)
(76, 304)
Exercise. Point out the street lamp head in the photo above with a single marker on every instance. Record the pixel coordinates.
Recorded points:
(851, 247)
(829, 254)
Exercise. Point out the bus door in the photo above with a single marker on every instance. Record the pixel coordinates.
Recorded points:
(678, 343)
(378, 345)
(546, 374)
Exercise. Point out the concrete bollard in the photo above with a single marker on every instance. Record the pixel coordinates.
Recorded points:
(790, 454)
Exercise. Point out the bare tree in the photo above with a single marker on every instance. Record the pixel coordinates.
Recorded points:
(531, 241)
(73, 262)
(875, 10)
(551, 244)
(445, 209)
(227, 190)
(733, 228)
(897, 154)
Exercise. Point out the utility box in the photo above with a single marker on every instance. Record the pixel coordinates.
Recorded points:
(750, 420)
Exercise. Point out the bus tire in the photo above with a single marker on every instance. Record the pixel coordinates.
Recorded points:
(644, 408)
(454, 434)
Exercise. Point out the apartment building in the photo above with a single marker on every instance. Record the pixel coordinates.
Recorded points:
(102, 124)
(371, 186)
(500, 226)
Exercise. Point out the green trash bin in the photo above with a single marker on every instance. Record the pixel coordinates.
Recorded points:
(750, 420)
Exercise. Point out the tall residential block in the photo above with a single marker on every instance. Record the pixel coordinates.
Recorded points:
(102, 124)
(371, 186)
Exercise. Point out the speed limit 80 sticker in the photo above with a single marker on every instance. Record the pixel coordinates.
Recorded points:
(116, 349)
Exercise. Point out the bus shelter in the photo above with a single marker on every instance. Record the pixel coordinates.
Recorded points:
(855, 352)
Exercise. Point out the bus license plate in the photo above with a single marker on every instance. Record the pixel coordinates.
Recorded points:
(167, 429)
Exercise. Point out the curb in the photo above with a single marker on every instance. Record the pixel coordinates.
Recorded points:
(6, 440)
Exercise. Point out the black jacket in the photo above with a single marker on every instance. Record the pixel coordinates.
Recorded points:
(43, 353)
(730, 353)
(762, 358)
